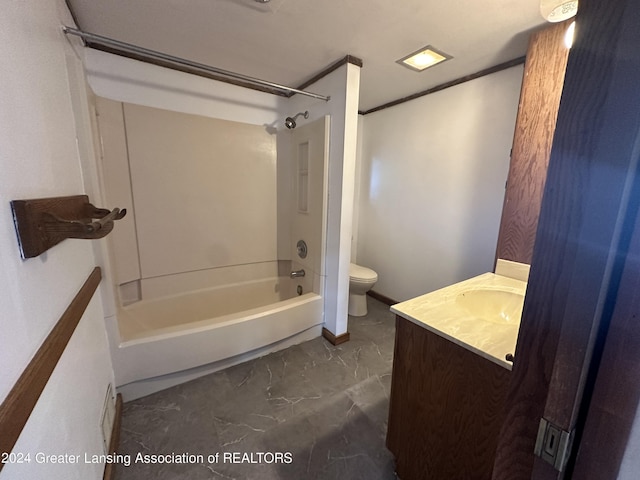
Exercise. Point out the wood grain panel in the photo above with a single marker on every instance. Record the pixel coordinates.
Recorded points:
(21, 400)
(333, 339)
(445, 410)
(612, 399)
(535, 125)
(616, 395)
(42, 223)
(577, 246)
(382, 298)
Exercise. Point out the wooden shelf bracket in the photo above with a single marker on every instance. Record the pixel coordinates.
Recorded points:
(44, 222)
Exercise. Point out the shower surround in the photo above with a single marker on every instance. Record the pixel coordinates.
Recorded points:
(196, 272)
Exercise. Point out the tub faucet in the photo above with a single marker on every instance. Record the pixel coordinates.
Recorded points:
(297, 273)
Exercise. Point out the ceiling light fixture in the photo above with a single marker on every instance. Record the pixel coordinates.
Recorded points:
(424, 58)
(558, 10)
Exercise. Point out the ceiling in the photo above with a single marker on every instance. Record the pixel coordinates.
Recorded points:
(290, 41)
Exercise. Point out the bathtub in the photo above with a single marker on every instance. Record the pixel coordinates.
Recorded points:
(189, 334)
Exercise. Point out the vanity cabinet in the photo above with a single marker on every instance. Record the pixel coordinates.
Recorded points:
(445, 408)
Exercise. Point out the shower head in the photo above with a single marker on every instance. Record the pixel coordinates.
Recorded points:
(290, 122)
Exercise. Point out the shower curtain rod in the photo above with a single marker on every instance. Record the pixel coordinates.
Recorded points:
(152, 54)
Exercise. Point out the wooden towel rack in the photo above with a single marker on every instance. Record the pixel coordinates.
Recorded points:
(44, 222)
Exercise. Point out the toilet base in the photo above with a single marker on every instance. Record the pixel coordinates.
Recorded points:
(357, 304)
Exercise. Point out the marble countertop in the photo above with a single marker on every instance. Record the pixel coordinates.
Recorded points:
(442, 313)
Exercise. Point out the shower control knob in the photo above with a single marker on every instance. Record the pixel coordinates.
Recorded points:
(302, 248)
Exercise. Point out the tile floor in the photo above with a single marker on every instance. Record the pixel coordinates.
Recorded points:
(324, 406)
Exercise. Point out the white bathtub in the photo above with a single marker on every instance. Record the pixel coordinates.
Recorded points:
(209, 329)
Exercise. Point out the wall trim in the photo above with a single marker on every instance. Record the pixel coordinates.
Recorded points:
(346, 59)
(334, 66)
(109, 468)
(382, 298)
(335, 340)
(221, 78)
(452, 83)
(23, 397)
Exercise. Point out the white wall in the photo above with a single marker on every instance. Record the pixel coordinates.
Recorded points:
(39, 157)
(200, 190)
(204, 190)
(137, 83)
(305, 146)
(432, 179)
(343, 86)
(127, 80)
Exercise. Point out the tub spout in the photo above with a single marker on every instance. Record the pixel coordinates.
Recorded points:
(297, 273)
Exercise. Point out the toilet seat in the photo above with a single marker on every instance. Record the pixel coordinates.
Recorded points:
(359, 274)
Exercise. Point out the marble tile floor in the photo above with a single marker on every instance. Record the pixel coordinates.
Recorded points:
(323, 406)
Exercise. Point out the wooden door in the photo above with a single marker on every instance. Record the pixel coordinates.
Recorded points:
(608, 441)
(588, 208)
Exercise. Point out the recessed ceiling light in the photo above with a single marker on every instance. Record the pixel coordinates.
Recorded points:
(424, 58)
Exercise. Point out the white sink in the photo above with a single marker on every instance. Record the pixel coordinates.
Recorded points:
(496, 306)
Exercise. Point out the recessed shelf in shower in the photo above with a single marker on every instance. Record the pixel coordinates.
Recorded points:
(303, 177)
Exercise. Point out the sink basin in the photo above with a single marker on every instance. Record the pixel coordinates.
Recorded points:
(497, 306)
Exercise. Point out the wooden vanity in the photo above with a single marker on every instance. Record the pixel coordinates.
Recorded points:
(449, 384)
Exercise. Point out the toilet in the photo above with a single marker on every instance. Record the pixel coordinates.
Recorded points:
(361, 280)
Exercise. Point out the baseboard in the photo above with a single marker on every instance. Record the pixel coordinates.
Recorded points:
(382, 298)
(109, 468)
(333, 339)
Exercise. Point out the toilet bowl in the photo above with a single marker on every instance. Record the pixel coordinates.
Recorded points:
(361, 279)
